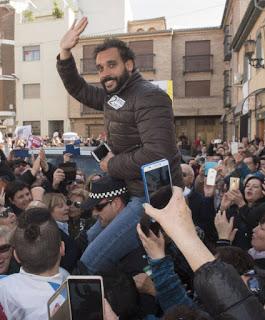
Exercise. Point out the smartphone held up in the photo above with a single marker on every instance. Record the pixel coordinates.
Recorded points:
(101, 152)
(158, 190)
(78, 298)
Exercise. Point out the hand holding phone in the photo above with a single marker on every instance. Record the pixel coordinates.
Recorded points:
(234, 183)
(158, 190)
(211, 177)
(69, 169)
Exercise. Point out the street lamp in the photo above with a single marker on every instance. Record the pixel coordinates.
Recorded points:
(250, 46)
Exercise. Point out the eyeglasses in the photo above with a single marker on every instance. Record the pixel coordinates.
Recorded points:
(4, 248)
(5, 213)
(76, 204)
(101, 206)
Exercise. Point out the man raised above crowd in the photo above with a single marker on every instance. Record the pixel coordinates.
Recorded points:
(139, 125)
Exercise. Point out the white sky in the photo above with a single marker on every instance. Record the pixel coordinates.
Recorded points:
(180, 13)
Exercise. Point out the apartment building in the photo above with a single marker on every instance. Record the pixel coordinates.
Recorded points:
(197, 74)
(152, 44)
(41, 100)
(190, 59)
(244, 98)
(7, 68)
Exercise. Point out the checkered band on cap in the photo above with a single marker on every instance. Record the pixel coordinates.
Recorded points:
(108, 194)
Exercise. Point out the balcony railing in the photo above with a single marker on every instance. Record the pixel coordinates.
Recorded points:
(145, 62)
(227, 48)
(227, 97)
(88, 66)
(200, 63)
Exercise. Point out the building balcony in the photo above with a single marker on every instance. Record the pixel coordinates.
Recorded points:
(199, 63)
(227, 48)
(227, 97)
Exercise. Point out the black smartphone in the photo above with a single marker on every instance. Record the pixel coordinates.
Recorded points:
(100, 152)
(86, 296)
(69, 169)
(158, 190)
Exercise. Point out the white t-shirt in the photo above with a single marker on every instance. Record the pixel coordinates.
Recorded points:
(24, 296)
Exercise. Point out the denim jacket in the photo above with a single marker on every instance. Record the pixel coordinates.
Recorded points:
(169, 288)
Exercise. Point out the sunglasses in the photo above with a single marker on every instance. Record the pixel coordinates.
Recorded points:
(99, 207)
(76, 204)
(5, 213)
(4, 248)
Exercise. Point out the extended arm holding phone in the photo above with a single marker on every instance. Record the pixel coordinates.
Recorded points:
(214, 281)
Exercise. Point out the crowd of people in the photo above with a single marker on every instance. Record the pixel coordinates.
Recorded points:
(206, 261)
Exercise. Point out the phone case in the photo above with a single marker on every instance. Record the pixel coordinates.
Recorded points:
(234, 183)
(211, 177)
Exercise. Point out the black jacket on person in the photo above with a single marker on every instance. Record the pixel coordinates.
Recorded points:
(139, 123)
(224, 294)
(246, 219)
(203, 213)
(72, 252)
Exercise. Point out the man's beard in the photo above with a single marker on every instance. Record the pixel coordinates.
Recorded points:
(119, 80)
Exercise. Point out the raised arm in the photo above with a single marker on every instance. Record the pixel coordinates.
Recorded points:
(71, 37)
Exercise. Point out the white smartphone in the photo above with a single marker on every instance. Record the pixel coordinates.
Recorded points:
(86, 297)
(158, 190)
(100, 152)
(234, 148)
(157, 183)
(211, 177)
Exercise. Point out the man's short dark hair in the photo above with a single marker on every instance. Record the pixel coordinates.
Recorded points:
(37, 240)
(13, 187)
(125, 52)
(237, 257)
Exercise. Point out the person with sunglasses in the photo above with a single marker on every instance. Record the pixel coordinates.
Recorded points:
(78, 219)
(7, 217)
(107, 199)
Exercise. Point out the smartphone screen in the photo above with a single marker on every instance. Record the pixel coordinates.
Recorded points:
(86, 299)
(157, 183)
(101, 151)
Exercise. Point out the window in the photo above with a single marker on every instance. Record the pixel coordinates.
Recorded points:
(35, 127)
(197, 56)
(259, 51)
(31, 91)
(88, 64)
(144, 56)
(31, 53)
(246, 73)
(197, 88)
